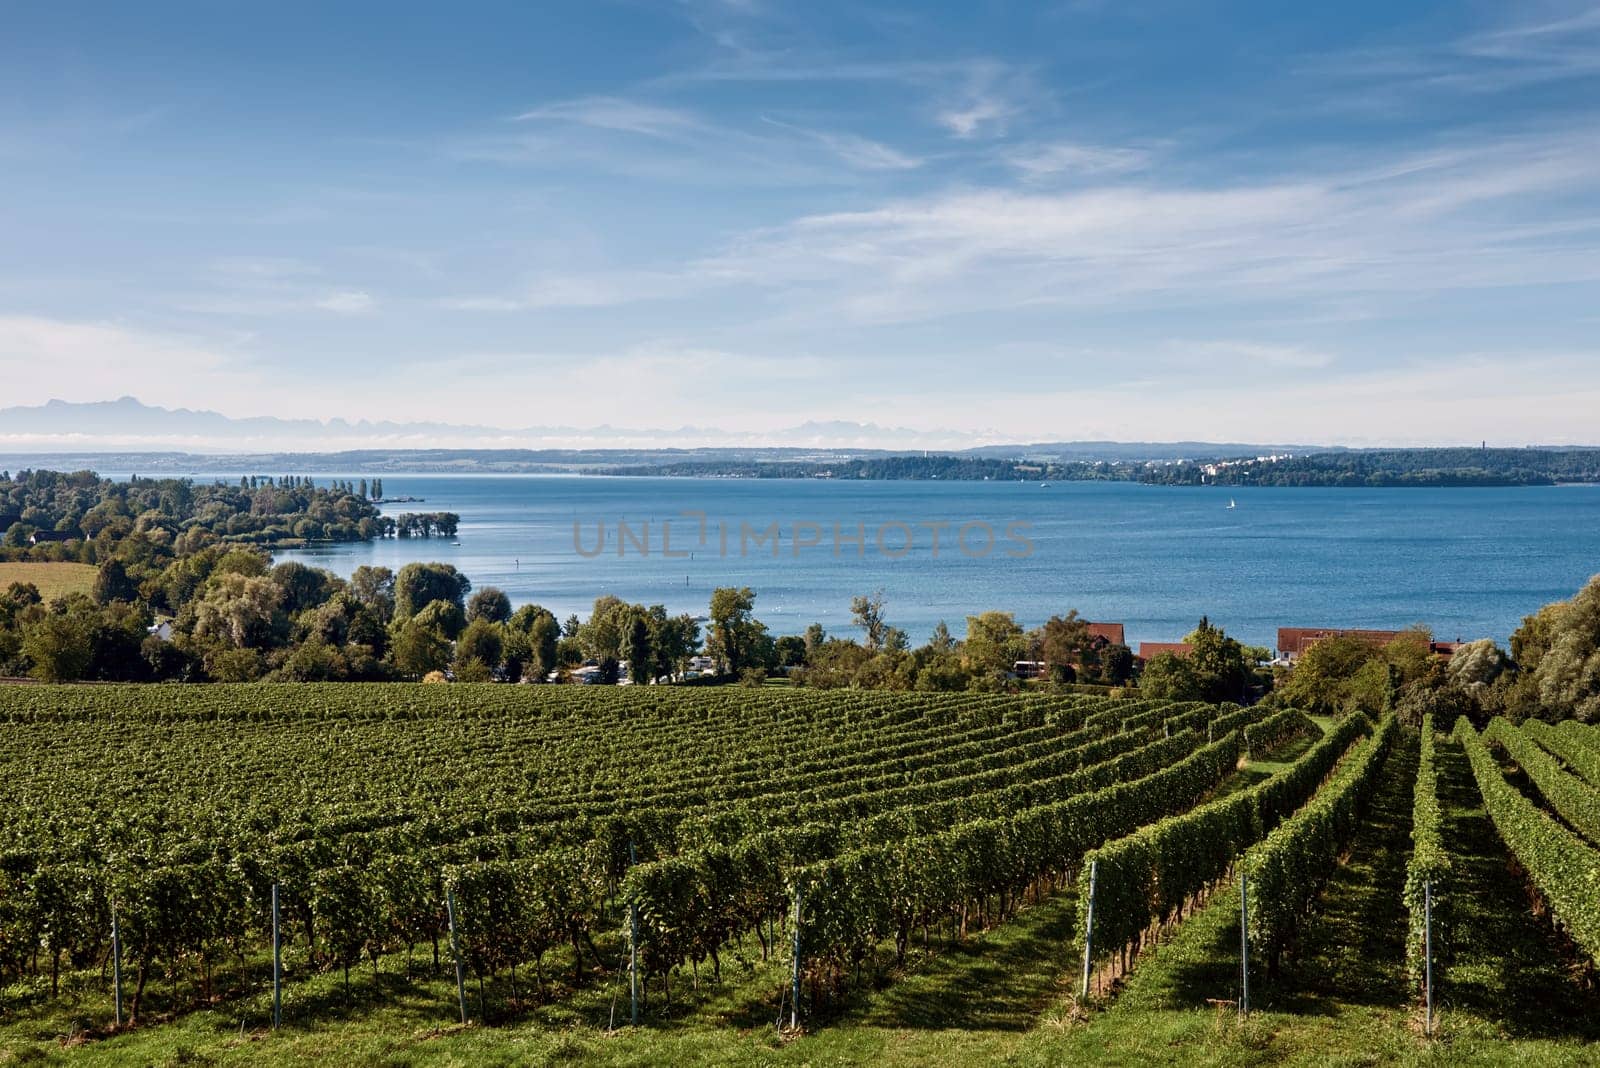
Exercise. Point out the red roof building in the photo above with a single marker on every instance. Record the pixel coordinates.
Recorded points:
(1151, 650)
(1293, 641)
(1103, 634)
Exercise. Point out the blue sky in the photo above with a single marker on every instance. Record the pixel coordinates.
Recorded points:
(1352, 223)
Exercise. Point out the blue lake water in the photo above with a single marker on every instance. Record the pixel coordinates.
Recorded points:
(1466, 562)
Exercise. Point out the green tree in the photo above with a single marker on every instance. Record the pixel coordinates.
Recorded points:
(417, 649)
(637, 646)
(242, 611)
(544, 637)
(791, 650)
(1064, 645)
(1325, 681)
(674, 639)
(491, 604)
(994, 644)
(420, 584)
(445, 617)
(1218, 663)
(373, 587)
(59, 645)
(735, 633)
(604, 632)
(866, 612)
(303, 587)
(1568, 671)
(1170, 677)
(1117, 664)
(482, 641)
(111, 583)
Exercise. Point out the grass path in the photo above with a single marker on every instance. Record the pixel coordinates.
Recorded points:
(999, 982)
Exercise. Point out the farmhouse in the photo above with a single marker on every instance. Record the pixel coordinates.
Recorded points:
(1102, 635)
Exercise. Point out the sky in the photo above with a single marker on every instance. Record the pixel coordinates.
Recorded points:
(1356, 223)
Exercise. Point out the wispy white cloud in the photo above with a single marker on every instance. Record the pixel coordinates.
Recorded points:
(619, 114)
(646, 139)
(346, 302)
(1252, 355)
(1071, 159)
(860, 152)
(992, 96)
(1526, 49)
(1449, 220)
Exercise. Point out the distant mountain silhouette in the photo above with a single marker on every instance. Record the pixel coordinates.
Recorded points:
(127, 426)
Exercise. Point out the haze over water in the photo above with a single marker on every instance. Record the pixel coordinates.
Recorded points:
(1466, 562)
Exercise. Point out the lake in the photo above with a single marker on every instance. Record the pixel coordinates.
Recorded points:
(1466, 562)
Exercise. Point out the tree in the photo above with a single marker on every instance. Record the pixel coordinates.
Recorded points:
(419, 584)
(637, 646)
(994, 643)
(866, 612)
(417, 649)
(1411, 654)
(1477, 664)
(603, 634)
(1116, 664)
(483, 642)
(374, 588)
(1324, 679)
(491, 604)
(791, 649)
(674, 638)
(58, 644)
(1170, 677)
(243, 611)
(734, 631)
(941, 641)
(111, 583)
(303, 587)
(445, 617)
(1218, 663)
(544, 637)
(1065, 644)
(1568, 671)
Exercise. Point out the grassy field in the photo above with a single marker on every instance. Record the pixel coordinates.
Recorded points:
(53, 579)
(1508, 992)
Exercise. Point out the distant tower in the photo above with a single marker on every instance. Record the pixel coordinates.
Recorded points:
(1485, 445)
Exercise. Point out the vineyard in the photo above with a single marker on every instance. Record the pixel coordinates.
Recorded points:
(534, 869)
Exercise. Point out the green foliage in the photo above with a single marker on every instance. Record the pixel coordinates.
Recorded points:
(1288, 869)
(489, 603)
(1573, 799)
(1560, 646)
(1575, 743)
(1559, 864)
(363, 804)
(1152, 873)
(1280, 727)
(418, 585)
(1429, 866)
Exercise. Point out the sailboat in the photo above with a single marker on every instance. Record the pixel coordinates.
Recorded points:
(1231, 503)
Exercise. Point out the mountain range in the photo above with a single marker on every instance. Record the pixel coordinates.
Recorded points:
(126, 427)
